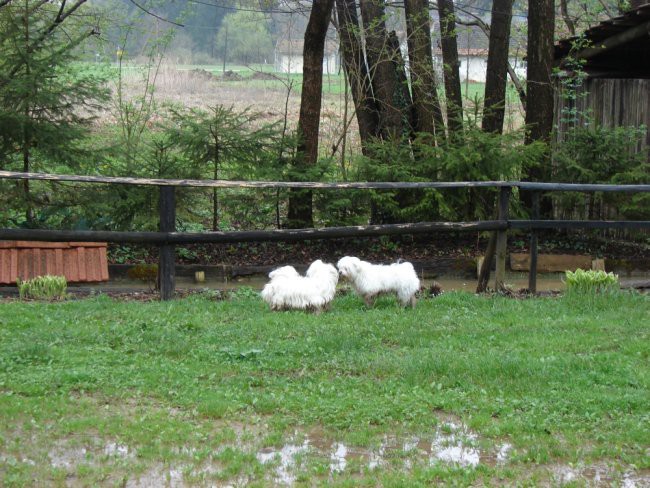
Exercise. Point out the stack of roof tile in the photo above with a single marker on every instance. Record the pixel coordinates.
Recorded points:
(78, 261)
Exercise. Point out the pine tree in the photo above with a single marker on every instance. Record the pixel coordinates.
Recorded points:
(46, 99)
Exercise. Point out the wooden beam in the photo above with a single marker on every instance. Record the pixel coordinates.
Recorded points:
(524, 185)
(287, 235)
(248, 184)
(502, 241)
(579, 224)
(532, 273)
(245, 236)
(167, 251)
(529, 185)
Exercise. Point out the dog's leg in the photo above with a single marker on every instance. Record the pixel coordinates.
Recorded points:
(413, 300)
(370, 300)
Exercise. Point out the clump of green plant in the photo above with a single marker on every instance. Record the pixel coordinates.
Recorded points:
(243, 293)
(147, 273)
(591, 281)
(46, 287)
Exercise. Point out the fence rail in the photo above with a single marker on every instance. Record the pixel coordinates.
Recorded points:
(168, 238)
(383, 185)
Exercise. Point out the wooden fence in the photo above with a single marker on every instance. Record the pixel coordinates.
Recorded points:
(607, 102)
(167, 238)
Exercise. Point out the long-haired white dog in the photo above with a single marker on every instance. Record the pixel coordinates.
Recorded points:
(288, 290)
(370, 280)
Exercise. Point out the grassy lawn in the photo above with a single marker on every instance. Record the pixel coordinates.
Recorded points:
(462, 390)
(333, 83)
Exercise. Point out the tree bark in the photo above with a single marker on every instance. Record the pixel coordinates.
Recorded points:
(404, 99)
(300, 201)
(381, 68)
(355, 67)
(451, 65)
(539, 113)
(428, 114)
(497, 67)
(539, 97)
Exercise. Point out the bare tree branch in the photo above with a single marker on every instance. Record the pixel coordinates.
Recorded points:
(564, 9)
(148, 12)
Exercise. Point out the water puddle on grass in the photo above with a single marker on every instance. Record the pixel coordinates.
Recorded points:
(287, 459)
(451, 443)
(598, 475)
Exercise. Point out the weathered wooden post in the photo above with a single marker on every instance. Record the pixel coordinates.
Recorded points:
(502, 239)
(532, 260)
(166, 265)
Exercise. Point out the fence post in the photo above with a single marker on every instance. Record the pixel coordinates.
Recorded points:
(502, 239)
(166, 265)
(532, 270)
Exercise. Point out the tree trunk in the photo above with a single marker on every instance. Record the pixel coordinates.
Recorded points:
(300, 201)
(404, 100)
(539, 113)
(539, 109)
(357, 73)
(451, 65)
(381, 68)
(428, 114)
(564, 9)
(497, 67)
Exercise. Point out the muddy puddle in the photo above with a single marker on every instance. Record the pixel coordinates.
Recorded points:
(451, 443)
(516, 281)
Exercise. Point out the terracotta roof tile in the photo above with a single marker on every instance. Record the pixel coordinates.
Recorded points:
(77, 261)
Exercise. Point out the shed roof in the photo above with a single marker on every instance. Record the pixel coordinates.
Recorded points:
(615, 48)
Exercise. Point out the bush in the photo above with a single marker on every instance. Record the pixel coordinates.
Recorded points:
(596, 154)
(46, 287)
(480, 156)
(591, 281)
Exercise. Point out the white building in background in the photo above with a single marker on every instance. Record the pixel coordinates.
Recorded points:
(473, 61)
(473, 64)
(288, 56)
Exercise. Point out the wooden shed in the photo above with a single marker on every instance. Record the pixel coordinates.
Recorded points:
(615, 57)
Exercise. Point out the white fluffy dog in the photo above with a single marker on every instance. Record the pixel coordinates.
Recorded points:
(370, 280)
(284, 271)
(288, 290)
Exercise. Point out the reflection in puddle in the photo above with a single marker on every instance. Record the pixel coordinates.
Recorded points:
(451, 443)
(287, 457)
(64, 456)
(503, 454)
(116, 450)
(455, 446)
(338, 461)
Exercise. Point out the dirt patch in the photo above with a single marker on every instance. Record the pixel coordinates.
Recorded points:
(231, 76)
(259, 75)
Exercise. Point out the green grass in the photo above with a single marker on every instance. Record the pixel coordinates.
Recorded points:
(332, 84)
(204, 385)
